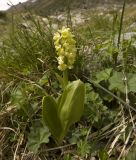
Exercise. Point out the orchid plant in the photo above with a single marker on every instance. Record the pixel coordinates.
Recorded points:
(59, 114)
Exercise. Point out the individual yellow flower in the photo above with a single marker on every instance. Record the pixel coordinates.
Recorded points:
(66, 45)
(62, 67)
(58, 47)
(65, 32)
(60, 59)
(61, 52)
(56, 36)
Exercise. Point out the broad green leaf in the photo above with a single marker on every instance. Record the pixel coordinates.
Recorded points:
(103, 75)
(51, 117)
(37, 136)
(116, 82)
(71, 105)
(132, 82)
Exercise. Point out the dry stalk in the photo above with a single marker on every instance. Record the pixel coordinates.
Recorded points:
(116, 139)
(126, 142)
(17, 146)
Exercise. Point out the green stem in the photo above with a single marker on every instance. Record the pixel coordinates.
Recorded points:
(65, 78)
(121, 23)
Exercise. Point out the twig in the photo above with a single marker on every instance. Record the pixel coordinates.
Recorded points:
(104, 89)
(57, 148)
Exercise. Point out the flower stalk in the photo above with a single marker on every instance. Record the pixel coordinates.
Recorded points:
(65, 78)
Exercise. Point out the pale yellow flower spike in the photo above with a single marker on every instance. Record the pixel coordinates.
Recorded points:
(65, 47)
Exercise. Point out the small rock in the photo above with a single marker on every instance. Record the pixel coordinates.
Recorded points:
(132, 26)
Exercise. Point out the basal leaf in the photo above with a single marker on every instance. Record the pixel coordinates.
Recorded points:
(51, 117)
(60, 115)
(72, 104)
